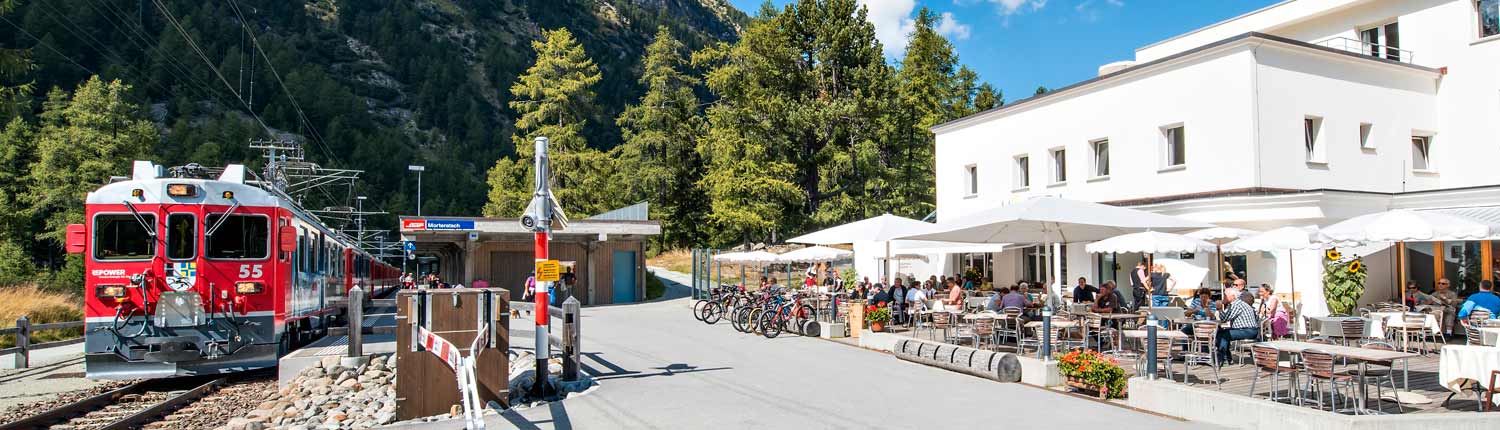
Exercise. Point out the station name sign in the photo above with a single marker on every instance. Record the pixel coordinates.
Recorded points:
(437, 224)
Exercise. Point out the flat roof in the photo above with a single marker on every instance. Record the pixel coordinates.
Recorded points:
(442, 224)
(1140, 68)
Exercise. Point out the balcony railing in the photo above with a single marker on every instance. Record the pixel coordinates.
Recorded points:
(1366, 48)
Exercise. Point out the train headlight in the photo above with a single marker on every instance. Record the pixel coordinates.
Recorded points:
(181, 190)
(109, 291)
(247, 287)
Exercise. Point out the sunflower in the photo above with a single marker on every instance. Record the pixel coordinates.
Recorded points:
(1333, 254)
(1356, 266)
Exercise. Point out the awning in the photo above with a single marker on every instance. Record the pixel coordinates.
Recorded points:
(1486, 214)
(920, 247)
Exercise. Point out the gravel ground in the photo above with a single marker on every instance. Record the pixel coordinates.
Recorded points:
(216, 409)
(56, 400)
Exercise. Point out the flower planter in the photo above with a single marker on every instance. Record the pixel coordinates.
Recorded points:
(1097, 390)
(877, 327)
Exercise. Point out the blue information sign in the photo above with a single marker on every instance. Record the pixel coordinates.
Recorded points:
(450, 224)
(409, 246)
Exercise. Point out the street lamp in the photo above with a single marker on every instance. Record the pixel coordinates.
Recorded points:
(419, 170)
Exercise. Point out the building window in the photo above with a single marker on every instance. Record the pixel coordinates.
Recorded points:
(1310, 134)
(1023, 172)
(1176, 146)
(1421, 152)
(1489, 17)
(971, 180)
(1364, 136)
(1059, 166)
(1101, 157)
(1382, 40)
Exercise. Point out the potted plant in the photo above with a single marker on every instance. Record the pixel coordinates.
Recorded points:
(1343, 282)
(878, 318)
(1090, 370)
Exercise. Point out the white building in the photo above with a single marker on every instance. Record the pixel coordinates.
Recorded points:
(1306, 112)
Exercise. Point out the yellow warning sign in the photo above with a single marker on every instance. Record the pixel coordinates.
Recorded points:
(548, 271)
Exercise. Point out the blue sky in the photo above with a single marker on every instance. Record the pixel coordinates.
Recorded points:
(1017, 45)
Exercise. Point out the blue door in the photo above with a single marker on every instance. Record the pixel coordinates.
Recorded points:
(624, 275)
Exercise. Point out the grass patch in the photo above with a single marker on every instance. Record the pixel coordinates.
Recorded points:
(654, 287)
(681, 261)
(40, 307)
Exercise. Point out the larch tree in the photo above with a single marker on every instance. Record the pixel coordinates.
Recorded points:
(83, 139)
(554, 98)
(658, 154)
(930, 93)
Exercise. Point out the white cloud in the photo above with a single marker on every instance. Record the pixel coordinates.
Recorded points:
(949, 26)
(892, 21)
(1012, 7)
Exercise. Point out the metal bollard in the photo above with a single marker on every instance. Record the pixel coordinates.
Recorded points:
(696, 293)
(571, 339)
(356, 315)
(1151, 327)
(23, 341)
(1046, 349)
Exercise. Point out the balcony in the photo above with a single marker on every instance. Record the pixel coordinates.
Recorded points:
(1365, 48)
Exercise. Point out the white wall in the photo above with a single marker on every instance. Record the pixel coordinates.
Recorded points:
(1210, 96)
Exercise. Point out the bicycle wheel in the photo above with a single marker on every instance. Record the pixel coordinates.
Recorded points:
(698, 309)
(770, 324)
(711, 313)
(737, 319)
(752, 320)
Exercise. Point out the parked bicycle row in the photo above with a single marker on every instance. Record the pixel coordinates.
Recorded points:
(767, 312)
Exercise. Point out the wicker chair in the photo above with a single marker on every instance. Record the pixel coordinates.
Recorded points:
(1164, 355)
(983, 332)
(1268, 362)
(941, 321)
(1203, 349)
(1318, 365)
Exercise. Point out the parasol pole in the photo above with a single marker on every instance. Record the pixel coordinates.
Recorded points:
(1401, 269)
(1291, 261)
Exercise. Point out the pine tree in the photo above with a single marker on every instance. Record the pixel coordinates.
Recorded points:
(658, 154)
(987, 97)
(1040, 90)
(555, 98)
(83, 139)
(931, 92)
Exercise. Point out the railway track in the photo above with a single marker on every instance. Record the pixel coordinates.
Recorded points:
(148, 404)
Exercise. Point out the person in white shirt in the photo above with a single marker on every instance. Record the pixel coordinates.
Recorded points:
(916, 301)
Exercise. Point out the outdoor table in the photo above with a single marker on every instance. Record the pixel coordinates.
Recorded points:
(1333, 326)
(1460, 363)
(975, 302)
(1059, 324)
(1378, 321)
(985, 314)
(1166, 312)
(1141, 334)
(1362, 355)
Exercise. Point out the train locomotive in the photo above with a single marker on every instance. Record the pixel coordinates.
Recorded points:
(191, 274)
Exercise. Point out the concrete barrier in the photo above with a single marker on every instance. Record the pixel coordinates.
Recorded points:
(1235, 410)
(998, 366)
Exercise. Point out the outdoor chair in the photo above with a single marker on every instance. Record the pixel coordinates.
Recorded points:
(1475, 337)
(1318, 366)
(1063, 339)
(941, 321)
(1164, 356)
(1489, 394)
(1268, 362)
(1411, 326)
(1203, 349)
(1385, 372)
(1034, 341)
(1102, 335)
(984, 332)
(1352, 331)
(1010, 325)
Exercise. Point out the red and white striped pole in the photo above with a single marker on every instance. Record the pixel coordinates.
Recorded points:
(542, 228)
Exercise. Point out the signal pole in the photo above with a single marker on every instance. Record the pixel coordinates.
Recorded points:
(541, 213)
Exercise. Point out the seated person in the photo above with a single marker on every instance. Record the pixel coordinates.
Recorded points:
(955, 295)
(993, 303)
(1083, 292)
(1014, 299)
(1203, 306)
(1484, 299)
(1108, 301)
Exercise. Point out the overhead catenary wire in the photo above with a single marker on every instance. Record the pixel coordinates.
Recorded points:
(255, 43)
(39, 42)
(172, 19)
(100, 47)
(137, 36)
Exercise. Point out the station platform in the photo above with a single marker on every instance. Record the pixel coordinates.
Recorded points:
(329, 346)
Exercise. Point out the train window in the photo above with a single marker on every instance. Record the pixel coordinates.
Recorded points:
(182, 236)
(240, 237)
(122, 237)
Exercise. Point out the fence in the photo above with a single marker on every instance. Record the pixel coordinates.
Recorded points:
(23, 331)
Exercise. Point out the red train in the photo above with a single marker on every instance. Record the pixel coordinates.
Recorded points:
(188, 274)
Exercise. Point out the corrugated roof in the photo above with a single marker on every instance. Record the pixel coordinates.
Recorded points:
(636, 212)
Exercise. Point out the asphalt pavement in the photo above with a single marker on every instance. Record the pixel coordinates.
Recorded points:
(658, 368)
